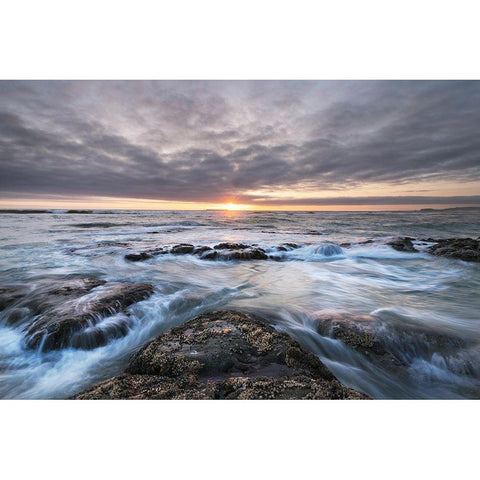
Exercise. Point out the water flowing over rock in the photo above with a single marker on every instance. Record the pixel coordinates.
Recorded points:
(394, 345)
(403, 244)
(81, 313)
(329, 250)
(221, 251)
(138, 257)
(467, 249)
(223, 355)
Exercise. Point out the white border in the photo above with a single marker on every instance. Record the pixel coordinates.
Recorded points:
(251, 39)
(239, 439)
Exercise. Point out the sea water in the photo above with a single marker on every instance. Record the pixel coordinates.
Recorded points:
(331, 271)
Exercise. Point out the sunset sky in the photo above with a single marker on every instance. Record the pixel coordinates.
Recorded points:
(316, 145)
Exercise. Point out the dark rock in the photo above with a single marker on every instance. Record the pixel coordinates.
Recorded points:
(72, 315)
(356, 331)
(182, 249)
(466, 249)
(247, 254)
(210, 255)
(403, 244)
(201, 250)
(231, 246)
(53, 292)
(138, 257)
(391, 345)
(145, 255)
(223, 355)
(251, 253)
(285, 247)
(9, 294)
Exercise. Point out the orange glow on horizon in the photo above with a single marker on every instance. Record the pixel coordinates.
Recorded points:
(107, 203)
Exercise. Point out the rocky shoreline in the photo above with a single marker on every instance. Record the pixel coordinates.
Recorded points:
(223, 355)
(229, 354)
(466, 249)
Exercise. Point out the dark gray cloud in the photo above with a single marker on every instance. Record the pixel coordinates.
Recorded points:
(212, 141)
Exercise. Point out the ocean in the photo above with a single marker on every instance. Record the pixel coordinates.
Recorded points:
(342, 266)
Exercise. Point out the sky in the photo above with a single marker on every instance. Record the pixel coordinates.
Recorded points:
(287, 145)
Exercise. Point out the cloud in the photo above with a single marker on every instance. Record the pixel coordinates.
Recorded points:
(212, 141)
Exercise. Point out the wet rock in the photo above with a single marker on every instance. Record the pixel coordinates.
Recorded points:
(138, 257)
(403, 244)
(145, 255)
(201, 250)
(285, 247)
(392, 345)
(210, 255)
(231, 246)
(182, 249)
(466, 249)
(255, 253)
(223, 355)
(9, 294)
(81, 315)
(51, 292)
(356, 331)
(250, 253)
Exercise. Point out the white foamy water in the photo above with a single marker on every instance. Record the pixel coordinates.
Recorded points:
(412, 289)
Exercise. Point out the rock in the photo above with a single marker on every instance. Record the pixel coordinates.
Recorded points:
(285, 247)
(392, 345)
(249, 253)
(223, 355)
(255, 253)
(9, 294)
(466, 249)
(137, 257)
(74, 313)
(53, 292)
(403, 244)
(201, 250)
(209, 255)
(182, 249)
(356, 331)
(145, 255)
(231, 246)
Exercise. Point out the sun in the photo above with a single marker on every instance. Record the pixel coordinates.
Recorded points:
(233, 206)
